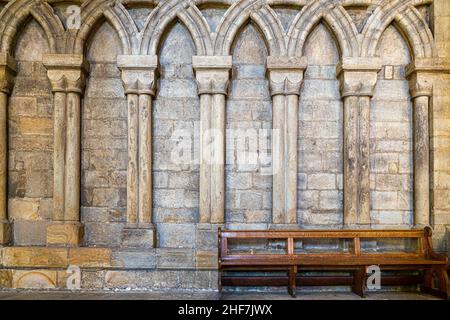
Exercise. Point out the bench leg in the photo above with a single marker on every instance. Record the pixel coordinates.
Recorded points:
(220, 283)
(358, 281)
(428, 286)
(292, 287)
(443, 282)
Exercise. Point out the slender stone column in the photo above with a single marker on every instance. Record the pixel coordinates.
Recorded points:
(286, 78)
(212, 74)
(8, 70)
(139, 80)
(67, 75)
(358, 77)
(419, 74)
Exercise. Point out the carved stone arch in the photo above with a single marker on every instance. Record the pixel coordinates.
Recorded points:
(93, 12)
(199, 29)
(272, 28)
(335, 17)
(409, 22)
(416, 32)
(163, 17)
(16, 13)
(259, 13)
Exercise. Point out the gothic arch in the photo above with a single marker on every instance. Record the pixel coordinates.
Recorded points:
(16, 14)
(409, 22)
(162, 18)
(336, 18)
(260, 14)
(115, 13)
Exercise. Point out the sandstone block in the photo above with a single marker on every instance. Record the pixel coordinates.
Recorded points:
(5, 278)
(138, 238)
(176, 235)
(34, 279)
(175, 258)
(90, 257)
(103, 234)
(134, 259)
(207, 259)
(206, 237)
(322, 181)
(120, 279)
(35, 257)
(5, 233)
(65, 234)
(30, 233)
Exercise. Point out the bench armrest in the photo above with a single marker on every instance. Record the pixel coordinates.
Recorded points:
(429, 243)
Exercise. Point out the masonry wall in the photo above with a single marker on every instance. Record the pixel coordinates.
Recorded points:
(185, 252)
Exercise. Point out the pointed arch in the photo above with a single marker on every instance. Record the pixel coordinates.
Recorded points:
(335, 17)
(16, 13)
(261, 15)
(408, 20)
(164, 16)
(93, 12)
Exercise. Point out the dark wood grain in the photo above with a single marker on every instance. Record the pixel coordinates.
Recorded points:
(430, 266)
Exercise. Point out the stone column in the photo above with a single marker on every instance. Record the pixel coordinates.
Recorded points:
(67, 75)
(8, 69)
(212, 74)
(358, 77)
(286, 77)
(419, 74)
(139, 80)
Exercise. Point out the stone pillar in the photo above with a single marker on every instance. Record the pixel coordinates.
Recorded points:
(139, 80)
(358, 77)
(67, 75)
(286, 77)
(212, 74)
(8, 69)
(419, 74)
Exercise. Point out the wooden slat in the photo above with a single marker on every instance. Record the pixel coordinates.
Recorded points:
(290, 246)
(357, 244)
(328, 261)
(280, 281)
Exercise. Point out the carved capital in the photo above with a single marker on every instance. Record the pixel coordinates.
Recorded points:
(286, 74)
(421, 74)
(66, 72)
(358, 76)
(213, 74)
(8, 70)
(139, 73)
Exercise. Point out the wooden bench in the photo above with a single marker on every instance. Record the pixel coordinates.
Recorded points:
(425, 267)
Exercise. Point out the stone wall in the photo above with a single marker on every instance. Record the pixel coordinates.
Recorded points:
(105, 162)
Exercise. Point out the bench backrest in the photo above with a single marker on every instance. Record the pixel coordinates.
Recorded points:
(422, 236)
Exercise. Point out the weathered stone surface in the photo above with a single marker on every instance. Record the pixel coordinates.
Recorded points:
(90, 257)
(5, 233)
(207, 259)
(65, 234)
(138, 238)
(176, 235)
(35, 257)
(5, 279)
(175, 258)
(36, 279)
(30, 233)
(134, 259)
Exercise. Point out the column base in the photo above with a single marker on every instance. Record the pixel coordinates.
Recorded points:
(135, 237)
(5, 233)
(66, 234)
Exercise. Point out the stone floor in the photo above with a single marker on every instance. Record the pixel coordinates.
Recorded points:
(59, 295)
